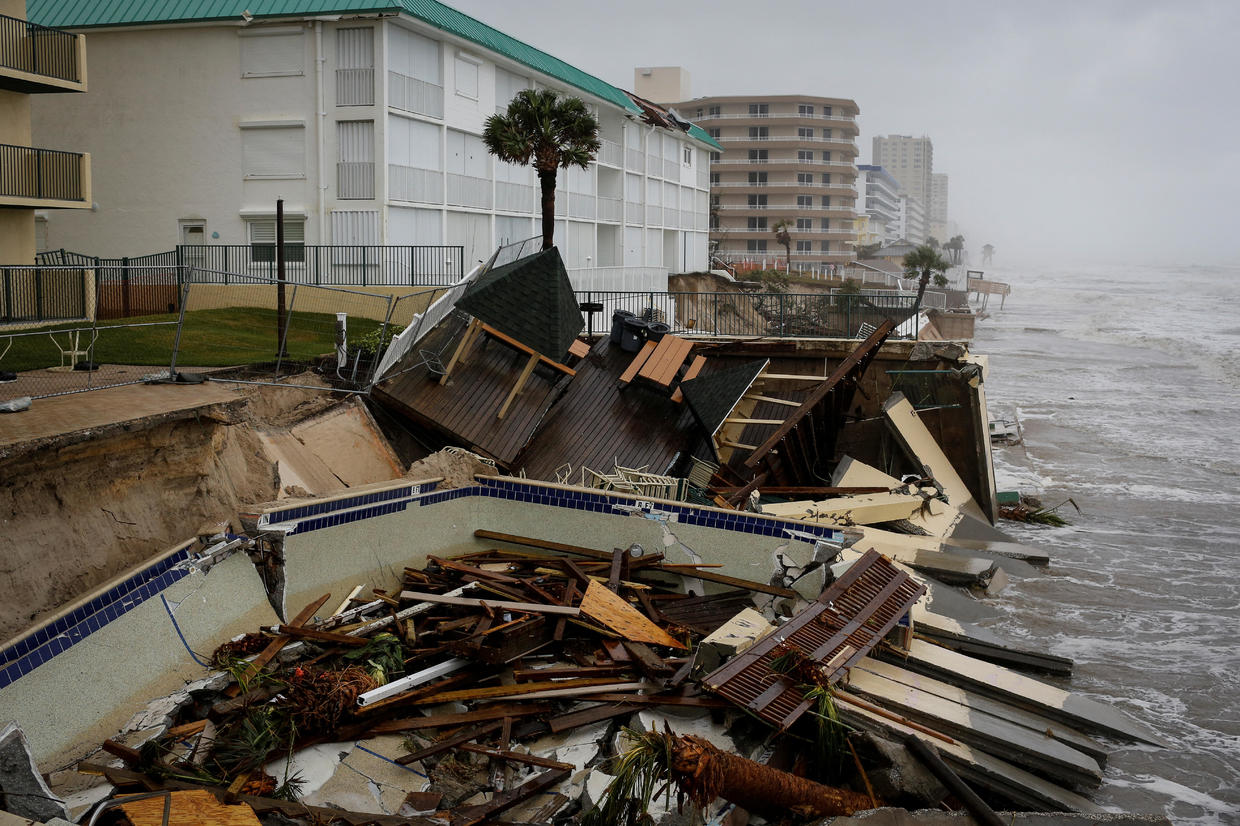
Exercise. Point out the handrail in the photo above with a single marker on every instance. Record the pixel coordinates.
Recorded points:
(39, 50)
(28, 172)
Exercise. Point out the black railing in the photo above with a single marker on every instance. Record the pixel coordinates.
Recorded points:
(46, 174)
(29, 47)
(341, 266)
(34, 294)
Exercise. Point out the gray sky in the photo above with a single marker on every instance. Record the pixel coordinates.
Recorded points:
(1079, 130)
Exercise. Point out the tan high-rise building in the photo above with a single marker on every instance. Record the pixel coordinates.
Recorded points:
(786, 158)
(34, 60)
(938, 206)
(910, 161)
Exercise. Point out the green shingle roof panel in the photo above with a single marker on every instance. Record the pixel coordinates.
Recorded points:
(713, 396)
(76, 14)
(531, 300)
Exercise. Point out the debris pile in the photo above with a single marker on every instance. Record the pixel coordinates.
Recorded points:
(533, 681)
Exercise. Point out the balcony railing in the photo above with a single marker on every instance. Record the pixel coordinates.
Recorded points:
(38, 50)
(793, 138)
(355, 180)
(772, 115)
(763, 185)
(43, 174)
(796, 162)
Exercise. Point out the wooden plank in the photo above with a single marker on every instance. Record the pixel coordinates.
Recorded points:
(482, 715)
(594, 714)
(467, 339)
(497, 691)
(614, 612)
(696, 367)
(516, 757)
(501, 801)
(669, 354)
(630, 372)
(188, 808)
(532, 607)
(516, 388)
(524, 348)
(758, 397)
(709, 576)
(322, 636)
(579, 348)
(275, 646)
(450, 741)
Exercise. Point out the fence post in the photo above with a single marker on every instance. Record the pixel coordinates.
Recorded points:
(38, 295)
(180, 264)
(782, 314)
(125, 306)
(364, 248)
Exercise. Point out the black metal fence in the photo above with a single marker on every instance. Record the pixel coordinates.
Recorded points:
(50, 174)
(337, 265)
(37, 294)
(127, 287)
(809, 315)
(29, 47)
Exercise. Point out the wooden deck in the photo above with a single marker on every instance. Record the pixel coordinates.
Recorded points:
(598, 425)
(464, 411)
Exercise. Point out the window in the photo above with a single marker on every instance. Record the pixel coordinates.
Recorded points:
(805, 178)
(714, 132)
(826, 179)
(826, 156)
(757, 156)
(826, 133)
(699, 111)
(805, 201)
(826, 111)
(274, 52)
(759, 133)
(262, 234)
(826, 246)
(714, 179)
(826, 201)
(804, 246)
(757, 178)
(355, 66)
(760, 110)
(714, 202)
(805, 224)
(805, 110)
(714, 157)
(757, 222)
(355, 167)
(687, 158)
(273, 150)
(467, 75)
(757, 202)
(825, 223)
(806, 132)
(756, 245)
(805, 155)
(713, 111)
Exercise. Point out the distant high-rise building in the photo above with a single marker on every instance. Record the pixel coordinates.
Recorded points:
(661, 84)
(938, 206)
(880, 200)
(912, 219)
(910, 161)
(786, 158)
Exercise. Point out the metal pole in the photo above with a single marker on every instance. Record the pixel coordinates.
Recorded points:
(176, 342)
(283, 353)
(281, 327)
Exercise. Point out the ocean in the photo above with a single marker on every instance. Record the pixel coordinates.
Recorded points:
(1126, 381)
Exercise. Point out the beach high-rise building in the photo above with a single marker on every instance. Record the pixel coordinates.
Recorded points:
(938, 207)
(786, 158)
(909, 160)
(880, 201)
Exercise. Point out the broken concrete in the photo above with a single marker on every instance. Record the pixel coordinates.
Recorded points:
(22, 789)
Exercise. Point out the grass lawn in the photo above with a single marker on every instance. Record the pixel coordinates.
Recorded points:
(210, 338)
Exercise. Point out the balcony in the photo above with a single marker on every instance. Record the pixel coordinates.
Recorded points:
(35, 59)
(848, 188)
(43, 178)
(849, 119)
(840, 144)
(791, 162)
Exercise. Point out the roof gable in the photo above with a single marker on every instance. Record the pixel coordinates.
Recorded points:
(531, 300)
(712, 397)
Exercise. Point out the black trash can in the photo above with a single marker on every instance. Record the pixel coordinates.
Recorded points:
(617, 323)
(656, 330)
(632, 334)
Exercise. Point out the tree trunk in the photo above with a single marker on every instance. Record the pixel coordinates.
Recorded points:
(921, 289)
(704, 773)
(547, 180)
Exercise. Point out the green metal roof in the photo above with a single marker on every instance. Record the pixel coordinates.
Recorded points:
(78, 14)
(698, 132)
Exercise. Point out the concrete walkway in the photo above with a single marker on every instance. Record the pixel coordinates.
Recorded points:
(63, 415)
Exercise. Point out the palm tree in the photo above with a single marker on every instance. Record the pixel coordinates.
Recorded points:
(933, 242)
(922, 262)
(783, 238)
(546, 131)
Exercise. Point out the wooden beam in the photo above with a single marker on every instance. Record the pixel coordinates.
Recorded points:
(531, 607)
(525, 348)
(745, 420)
(275, 646)
(516, 388)
(856, 358)
(758, 397)
(696, 367)
(709, 576)
(462, 347)
(630, 372)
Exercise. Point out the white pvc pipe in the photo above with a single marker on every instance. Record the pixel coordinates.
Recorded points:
(413, 680)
